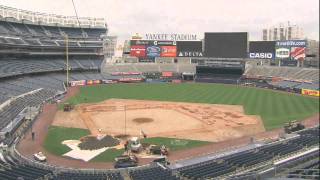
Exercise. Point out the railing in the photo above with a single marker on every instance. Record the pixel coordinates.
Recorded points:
(50, 19)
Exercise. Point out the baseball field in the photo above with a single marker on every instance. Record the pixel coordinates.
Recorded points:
(250, 106)
(275, 108)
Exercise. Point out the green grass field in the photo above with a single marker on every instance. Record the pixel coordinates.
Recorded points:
(57, 134)
(174, 144)
(275, 108)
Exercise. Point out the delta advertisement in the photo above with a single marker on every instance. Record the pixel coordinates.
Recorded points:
(168, 51)
(189, 49)
(310, 92)
(291, 49)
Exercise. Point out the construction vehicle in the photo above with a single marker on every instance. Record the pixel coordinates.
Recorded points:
(158, 150)
(293, 126)
(135, 145)
(125, 161)
(67, 107)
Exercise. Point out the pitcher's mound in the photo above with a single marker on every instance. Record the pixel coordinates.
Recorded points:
(142, 120)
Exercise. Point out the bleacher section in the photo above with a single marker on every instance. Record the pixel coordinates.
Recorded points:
(292, 73)
(148, 67)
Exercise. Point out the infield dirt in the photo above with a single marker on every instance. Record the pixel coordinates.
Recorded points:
(207, 122)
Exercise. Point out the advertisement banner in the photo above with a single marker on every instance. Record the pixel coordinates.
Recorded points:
(167, 74)
(177, 81)
(152, 43)
(291, 49)
(310, 92)
(292, 43)
(78, 83)
(138, 51)
(109, 81)
(128, 80)
(298, 53)
(96, 81)
(288, 62)
(255, 55)
(261, 49)
(282, 52)
(164, 43)
(168, 51)
(125, 73)
(153, 51)
(140, 42)
(190, 54)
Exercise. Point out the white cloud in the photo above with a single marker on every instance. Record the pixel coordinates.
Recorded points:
(126, 17)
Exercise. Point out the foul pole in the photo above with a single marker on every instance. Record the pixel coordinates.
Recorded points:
(67, 57)
(125, 120)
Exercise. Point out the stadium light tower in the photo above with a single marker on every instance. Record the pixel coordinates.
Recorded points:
(67, 56)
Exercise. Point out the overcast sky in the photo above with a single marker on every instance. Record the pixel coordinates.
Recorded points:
(127, 17)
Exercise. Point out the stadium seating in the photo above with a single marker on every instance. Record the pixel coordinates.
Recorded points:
(154, 173)
(148, 67)
(309, 171)
(12, 67)
(20, 29)
(8, 113)
(11, 169)
(293, 73)
(88, 176)
(230, 164)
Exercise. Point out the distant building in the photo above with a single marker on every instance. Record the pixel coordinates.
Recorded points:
(283, 32)
(110, 46)
(126, 48)
(312, 53)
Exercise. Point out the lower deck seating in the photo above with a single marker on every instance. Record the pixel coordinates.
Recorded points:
(154, 173)
(11, 169)
(88, 176)
(248, 159)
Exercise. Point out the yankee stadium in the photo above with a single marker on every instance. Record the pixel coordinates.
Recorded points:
(85, 96)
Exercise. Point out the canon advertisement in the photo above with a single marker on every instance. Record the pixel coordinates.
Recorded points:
(189, 49)
(262, 49)
(291, 49)
(168, 51)
(226, 44)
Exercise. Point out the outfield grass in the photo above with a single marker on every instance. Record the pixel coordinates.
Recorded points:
(275, 108)
(57, 134)
(175, 144)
